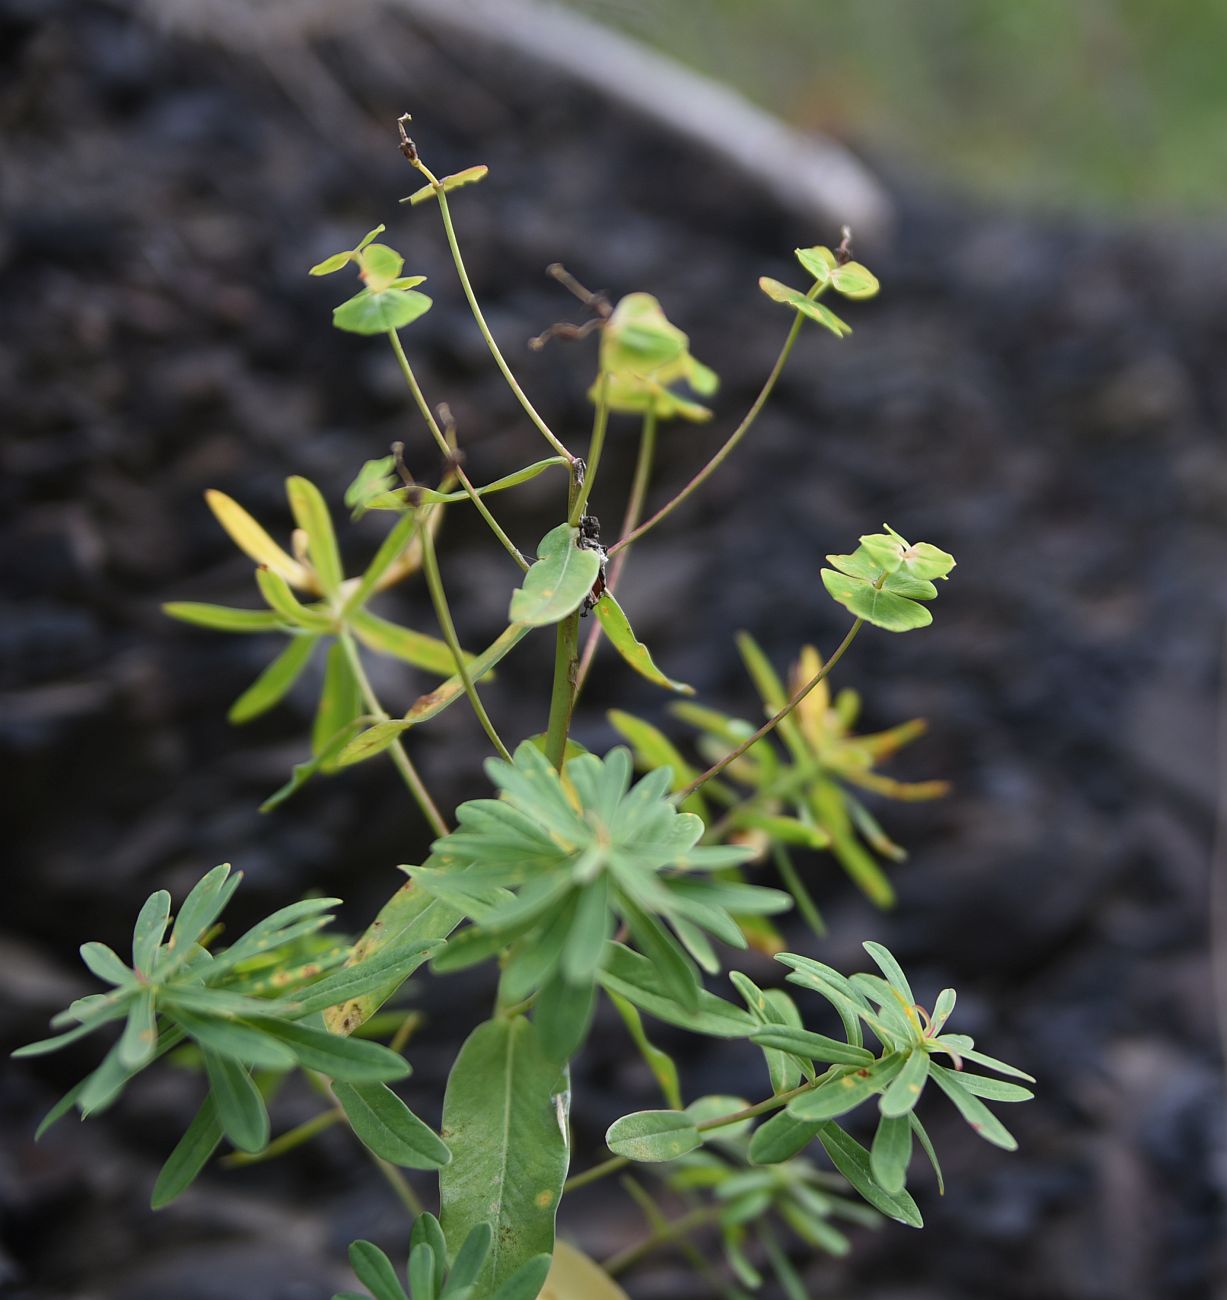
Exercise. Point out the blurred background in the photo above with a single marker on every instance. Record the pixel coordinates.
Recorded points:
(1040, 389)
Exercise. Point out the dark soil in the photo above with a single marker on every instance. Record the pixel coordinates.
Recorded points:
(1045, 399)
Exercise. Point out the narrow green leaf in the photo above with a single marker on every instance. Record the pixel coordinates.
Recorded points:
(219, 618)
(303, 772)
(633, 977)
(467, 1266)
(504, 1118)
(374, 1270)
(389, 1128)
(393, 546)
(782, 1137)
(339, 707)
(847, 1091)
(275, 590)
(622, 637)
(927, 1147)
(814, 1047)
(426, 1232)
(434, 702)
(891, 1151)
(150, 927)
(557, 583)
(375, 967)
(353, 1060)
(662, 1065)
(416, 648)
(677, 978)
(852, 1160)
(275, 681)
(191, 1154)
(367, 744)
(973, 1110)
(311, 515)
(806, 306)
(422, 1272)
(526, 1282)
(240, 1108)
(889, 967)
(140, 1036)
(563, 1015)
(429, 495)
(237, 1042)
(651, 1136)
(469, 176)
(203, 905)
(105, 963)
(904, 1093)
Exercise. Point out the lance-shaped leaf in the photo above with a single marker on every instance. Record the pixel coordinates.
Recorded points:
(556, 585)
(447, 693)
(782, 1137)
(275, 681)
(374, 1270)
(470, 176)
(389, 1128)
(340, 704)
(251, 538)
(426, 496)
(275, 589)
(794, 298)
(650, 1136)
(221, 618)
(240, 1108)
(973, 1110)
(621, 636)
(311, 515)
(416, 648)
(634, 978)
(891, 1151)
(191, 1154)
(505, 1122)
(847, 1090)
(853, 1161)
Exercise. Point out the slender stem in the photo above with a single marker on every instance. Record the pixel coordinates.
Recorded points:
(634, 509)
(614, 1163)
(566, 665)
(434, 581)
(287, 1141)
(733, 439)
(406, 1028)
(546, 432)
(662, 1236)
(400, 757)
(400, 1185)
(774, 721)
(600, 421)
(437, 433)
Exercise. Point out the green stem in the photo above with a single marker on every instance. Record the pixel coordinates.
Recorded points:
(600, 422)
(544, 429)
(774, 721)
(634, 509)
(400, 1185)
(434, 581)
(292, 1138)
(566, 666)
(662, 1236)
(437, 433)
(404, 764)
(730, 445)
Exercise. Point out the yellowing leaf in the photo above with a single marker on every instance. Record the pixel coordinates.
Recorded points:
(252, 540)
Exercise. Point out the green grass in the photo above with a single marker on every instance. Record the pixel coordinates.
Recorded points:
(1116, 104)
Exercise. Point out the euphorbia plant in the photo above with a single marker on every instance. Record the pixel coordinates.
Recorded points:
(576, 878)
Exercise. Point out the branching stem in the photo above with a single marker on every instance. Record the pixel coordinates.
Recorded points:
(450, 231)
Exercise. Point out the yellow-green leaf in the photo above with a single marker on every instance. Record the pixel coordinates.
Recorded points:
(622, 637)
